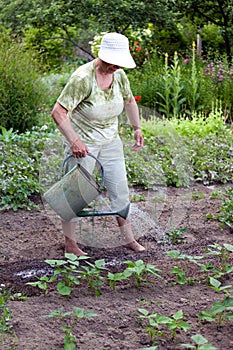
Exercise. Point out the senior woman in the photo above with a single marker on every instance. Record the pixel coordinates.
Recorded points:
(87, 113)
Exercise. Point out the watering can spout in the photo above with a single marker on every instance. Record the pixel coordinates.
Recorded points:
(122, 213)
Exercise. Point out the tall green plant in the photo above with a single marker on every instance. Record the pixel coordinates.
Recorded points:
(23, 95)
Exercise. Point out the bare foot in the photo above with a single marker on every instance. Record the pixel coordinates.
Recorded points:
(134, 245)
(72, 247)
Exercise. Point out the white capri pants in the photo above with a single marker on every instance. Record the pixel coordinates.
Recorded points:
(111, 156)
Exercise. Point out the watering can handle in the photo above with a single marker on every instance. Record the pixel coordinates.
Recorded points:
(90, 155)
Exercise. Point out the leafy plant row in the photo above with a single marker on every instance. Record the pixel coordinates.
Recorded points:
(176, 153)
(73, 270)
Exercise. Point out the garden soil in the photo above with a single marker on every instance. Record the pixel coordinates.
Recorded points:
(30, 237)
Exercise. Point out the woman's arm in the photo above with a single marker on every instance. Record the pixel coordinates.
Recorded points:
(59, 114)
(132, 112)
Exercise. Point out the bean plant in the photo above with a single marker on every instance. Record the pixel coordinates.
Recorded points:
(201, 343)
(69, 321)
(157, 323)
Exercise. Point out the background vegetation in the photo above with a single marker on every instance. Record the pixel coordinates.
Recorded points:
(183, 80)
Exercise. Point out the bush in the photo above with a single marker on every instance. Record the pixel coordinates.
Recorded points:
(23, 95)
(19, 169)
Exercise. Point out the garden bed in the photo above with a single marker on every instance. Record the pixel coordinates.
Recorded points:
(30, 237)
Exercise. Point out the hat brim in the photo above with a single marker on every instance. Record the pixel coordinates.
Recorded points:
(119, 59)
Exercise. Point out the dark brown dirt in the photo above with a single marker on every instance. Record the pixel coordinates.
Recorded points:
(29, 237)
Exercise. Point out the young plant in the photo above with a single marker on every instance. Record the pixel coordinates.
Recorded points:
(42, 283)
(181, 270)
(201, 343)
(92, 274)
(138, 269)
(67, 271)
(69, 321)
(176, 236)
(5, 313)
(157, 322)
(220, 312)
(223, 253)
(118, 276)
(181, 277)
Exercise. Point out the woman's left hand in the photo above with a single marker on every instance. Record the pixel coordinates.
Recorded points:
(139, 141)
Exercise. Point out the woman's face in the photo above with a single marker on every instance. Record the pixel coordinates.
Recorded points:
(109, 68)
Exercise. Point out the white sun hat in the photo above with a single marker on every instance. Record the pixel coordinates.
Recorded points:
(114, 49)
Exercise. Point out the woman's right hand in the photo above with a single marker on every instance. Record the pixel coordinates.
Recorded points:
(79, 149)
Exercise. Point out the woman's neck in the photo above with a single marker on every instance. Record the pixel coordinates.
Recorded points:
(104, 78)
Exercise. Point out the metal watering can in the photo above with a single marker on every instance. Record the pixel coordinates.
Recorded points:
(75, 190)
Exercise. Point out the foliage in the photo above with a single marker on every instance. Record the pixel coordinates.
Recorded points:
(156, 322)
(69, 320)
(5, 313)
(180, 86)
(201, 343)
(225, 215)
(20, 154)
(23, 95)
(64, 271)
(218, 12)
(180, 151)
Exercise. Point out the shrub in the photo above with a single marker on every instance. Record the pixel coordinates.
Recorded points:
(19, 169)
(23, 95)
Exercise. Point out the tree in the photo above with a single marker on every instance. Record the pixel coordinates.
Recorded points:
(92, 15)
(218, 12)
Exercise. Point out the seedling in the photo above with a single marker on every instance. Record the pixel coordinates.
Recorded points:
(92, 274)
(216, 286)
(116, 277)
(138, 269)
(176, 236)
(42, 283)
(181, 270)
(201, 343)
(5, 313)
(223, 253)
(198, 195)
(67, 271)
(157, 322)
(220, 312)
(181, 277)
(69, 321)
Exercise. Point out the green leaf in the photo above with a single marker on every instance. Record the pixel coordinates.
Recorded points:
(214, 282)
(199, 339)
(163, 319)
(144, 312)
(178, 315)
(228, 247)
(63, 289)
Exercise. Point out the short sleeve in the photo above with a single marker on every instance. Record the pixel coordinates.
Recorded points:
(75, 91)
